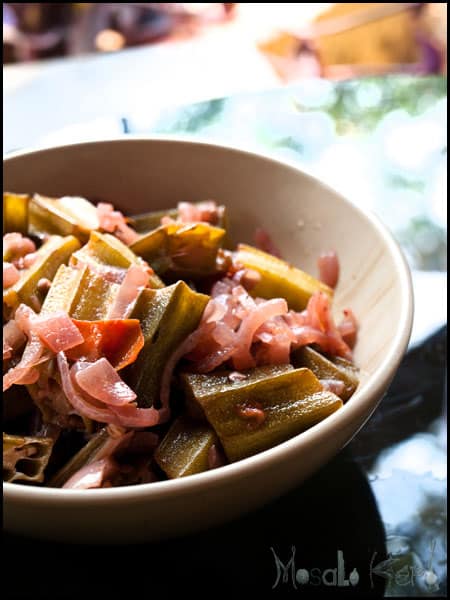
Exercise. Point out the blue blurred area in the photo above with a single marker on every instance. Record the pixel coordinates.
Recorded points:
(381, 142)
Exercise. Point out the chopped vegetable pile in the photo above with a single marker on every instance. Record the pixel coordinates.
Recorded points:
(148, 348)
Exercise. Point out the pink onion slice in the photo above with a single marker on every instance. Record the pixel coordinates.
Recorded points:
(328, 265)
(24, 372)
(135, 280)
(101, 381)
(10, 275)
(92, 475)
(82, 404)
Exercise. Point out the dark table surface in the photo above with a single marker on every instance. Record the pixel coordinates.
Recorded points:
(375, 516)
(380, 502)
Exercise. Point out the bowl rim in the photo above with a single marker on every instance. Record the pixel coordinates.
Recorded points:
(358, 408)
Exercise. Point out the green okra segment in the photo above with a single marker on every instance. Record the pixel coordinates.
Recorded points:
(25, 458)
(53, 253)
(269, 406)
(82, 293)
(279, 279)
(86, 455)
(105, 250)
(68, 215)
(185, 448)
(347, 367)
(64, 291)
(144, 223)
(15, 213)
(180, 250)
(167, 317)
(94, 298)
(324, 368)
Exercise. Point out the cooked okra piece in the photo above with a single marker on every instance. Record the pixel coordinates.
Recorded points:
(347, 367)
(64, 290)
(94, 298)
(167, 317)
(279, 279)
(83, 457)
(25, 458)
(323, 368)
(15, 213)
(104, 249)
(269, 406)
(185, 448)
(69, 215)
(147, 221)
(192, 384)
(181, 250)
(53, 253)
(152, 220)
(82, 293)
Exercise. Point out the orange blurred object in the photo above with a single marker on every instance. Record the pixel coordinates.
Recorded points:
(109, 40)
(351, 39)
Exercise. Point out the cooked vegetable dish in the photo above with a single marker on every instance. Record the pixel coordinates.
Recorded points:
(151, 347)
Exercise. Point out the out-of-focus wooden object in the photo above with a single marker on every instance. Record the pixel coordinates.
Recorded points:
(365, 38)
(376, 39)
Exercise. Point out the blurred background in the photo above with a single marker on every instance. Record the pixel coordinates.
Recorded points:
(66, 64)
(335, 40)
(326, 85)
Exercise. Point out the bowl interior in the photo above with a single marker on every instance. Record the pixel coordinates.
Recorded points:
(303, 216)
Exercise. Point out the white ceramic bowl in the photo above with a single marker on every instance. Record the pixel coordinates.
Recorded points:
(304, 217)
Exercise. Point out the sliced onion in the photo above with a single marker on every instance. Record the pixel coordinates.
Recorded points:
(77, 399)
(101, 381)
(328, 265)
(24, 372)
(92, 475)
(10, 275)
(16, 245)
(242, 359)
(135, 279)
(130, 415)
(333, 385)
(113, 221)
(348, 328)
